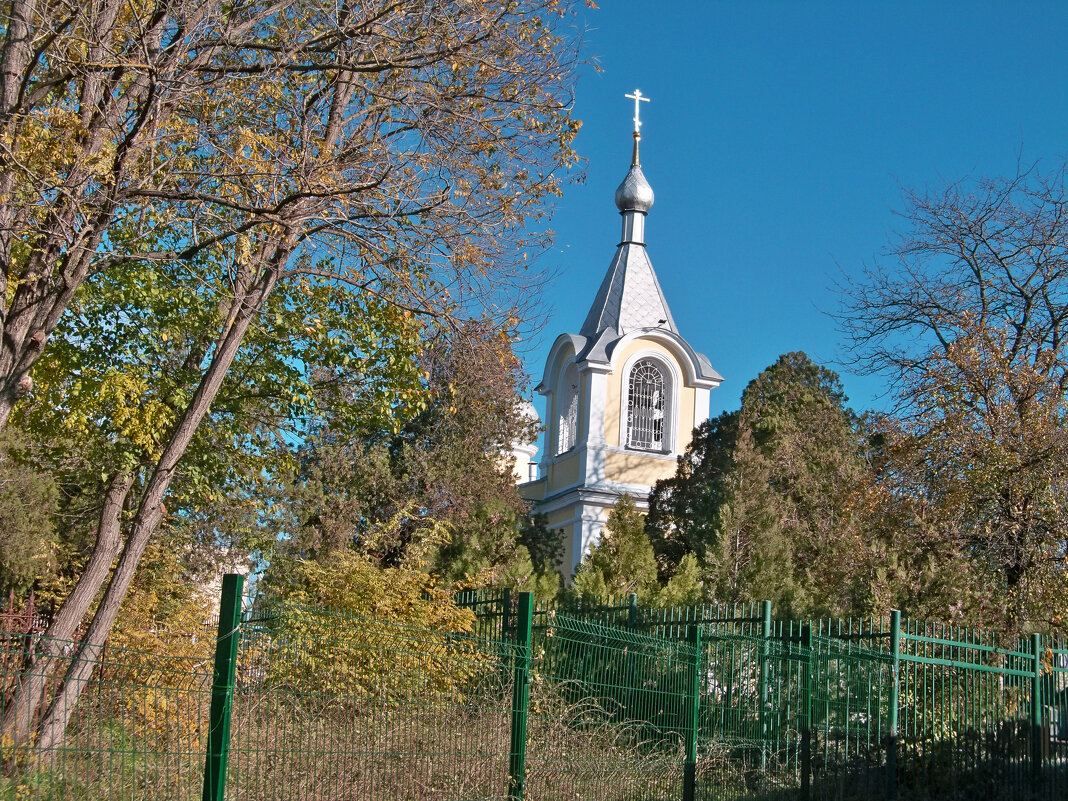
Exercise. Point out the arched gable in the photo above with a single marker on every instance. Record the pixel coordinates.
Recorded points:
(565, 347)
(695, 369)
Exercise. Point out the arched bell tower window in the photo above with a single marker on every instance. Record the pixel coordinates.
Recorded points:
(647, 404)
(567, 418)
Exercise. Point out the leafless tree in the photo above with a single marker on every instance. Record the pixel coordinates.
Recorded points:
(968, 317)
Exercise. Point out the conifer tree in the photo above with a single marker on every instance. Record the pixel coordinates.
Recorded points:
(623, 562)
(753, 557)
(683, 509)
(763, 495)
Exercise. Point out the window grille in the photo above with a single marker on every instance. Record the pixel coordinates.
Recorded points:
(567, 426)
(645, 407)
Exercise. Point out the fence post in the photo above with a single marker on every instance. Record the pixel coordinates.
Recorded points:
(765, 655)
(693, 715)
(806, 713)
(517, 761)
(895, 690)
(222, 688)
(632, 611)
(1036, 712)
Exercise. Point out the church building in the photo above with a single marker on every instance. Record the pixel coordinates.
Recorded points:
(623, 395)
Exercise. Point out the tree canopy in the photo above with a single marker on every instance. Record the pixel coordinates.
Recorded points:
(292, 188)
(413, 140)
(968, 320)
(762, 495)
(446, 464)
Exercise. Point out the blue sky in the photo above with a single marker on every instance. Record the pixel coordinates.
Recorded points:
(778, 139)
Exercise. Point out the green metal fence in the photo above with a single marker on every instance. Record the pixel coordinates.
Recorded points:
(873, 708)
(970, 719)
(138, 730)
(604, 702)
(611, 712)
(329, 706)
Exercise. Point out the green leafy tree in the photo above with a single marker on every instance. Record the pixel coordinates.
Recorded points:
(127, 359)
(408, 173)
(331, 616)
(446, 463)
(685, 587)
(815, 447)
(29, 501)
(362, 584)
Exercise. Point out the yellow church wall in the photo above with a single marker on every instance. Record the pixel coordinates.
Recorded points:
(632, 467)
(556, 518)
(614, 394)
(563, 473)
(611, 410)
(687, 399)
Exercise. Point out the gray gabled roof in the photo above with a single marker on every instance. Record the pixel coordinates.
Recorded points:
(630, 297)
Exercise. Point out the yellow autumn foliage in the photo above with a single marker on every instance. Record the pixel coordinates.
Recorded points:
(160, 657)
(353, 630)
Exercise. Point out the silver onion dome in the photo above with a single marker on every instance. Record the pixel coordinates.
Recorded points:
(634, 194)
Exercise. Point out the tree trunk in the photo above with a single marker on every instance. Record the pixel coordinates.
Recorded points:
(150, 511)
(14, 59)
(29, 693)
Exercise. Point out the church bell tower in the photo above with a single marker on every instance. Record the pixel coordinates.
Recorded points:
(623, 395)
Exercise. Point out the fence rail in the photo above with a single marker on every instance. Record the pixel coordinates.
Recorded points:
(611, 702)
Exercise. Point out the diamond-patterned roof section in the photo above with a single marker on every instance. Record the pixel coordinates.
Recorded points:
(630, 297)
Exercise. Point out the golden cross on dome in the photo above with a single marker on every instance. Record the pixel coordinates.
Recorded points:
(638, 98)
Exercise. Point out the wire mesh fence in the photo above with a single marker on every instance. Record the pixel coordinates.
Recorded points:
(331, 706)
(137, 729)
(966, 718)
(608, 711)
(848, 709)
(597, 702)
